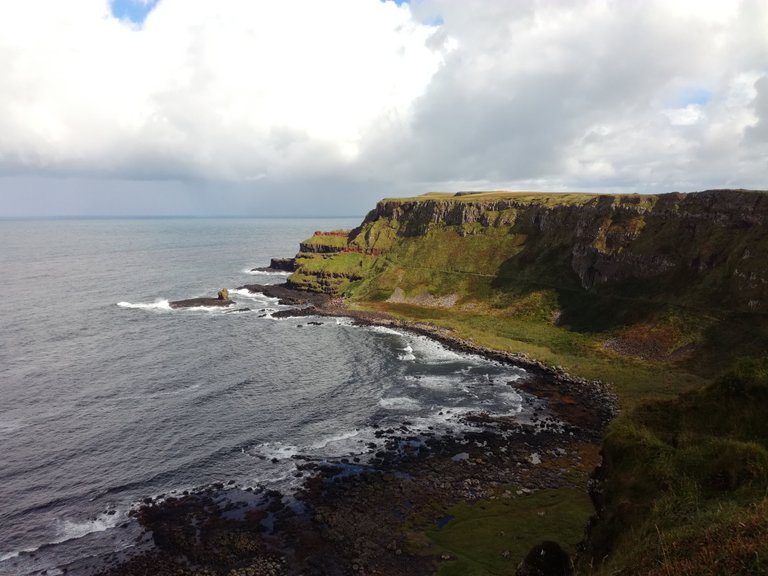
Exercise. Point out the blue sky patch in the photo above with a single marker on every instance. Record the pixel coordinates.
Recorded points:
(134, 10)
(697, 96)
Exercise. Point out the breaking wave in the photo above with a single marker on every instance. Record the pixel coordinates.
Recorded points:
(162, 305)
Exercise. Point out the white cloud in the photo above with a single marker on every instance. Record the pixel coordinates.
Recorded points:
(598, 94)
(588, 95)
(212, 89)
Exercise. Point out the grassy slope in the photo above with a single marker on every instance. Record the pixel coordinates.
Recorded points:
(490, 537)
(517, 293)
(686, 483)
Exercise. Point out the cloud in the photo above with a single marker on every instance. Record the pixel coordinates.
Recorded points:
(367, 94)
(598, 95)
(224, 90)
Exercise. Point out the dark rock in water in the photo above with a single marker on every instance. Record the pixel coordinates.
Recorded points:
(295, 312)
(278, 265)
(286, 264)
(546, 559)
(238, 310)
(193, 302)
(222, 299)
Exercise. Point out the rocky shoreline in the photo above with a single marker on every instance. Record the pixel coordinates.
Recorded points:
(594, 393)
(373, 512)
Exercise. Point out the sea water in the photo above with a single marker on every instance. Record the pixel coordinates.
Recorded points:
(108, 396)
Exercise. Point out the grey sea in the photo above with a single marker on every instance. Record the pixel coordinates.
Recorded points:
(109, 397)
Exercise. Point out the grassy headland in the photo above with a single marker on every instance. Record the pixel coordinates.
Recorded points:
(659, 295)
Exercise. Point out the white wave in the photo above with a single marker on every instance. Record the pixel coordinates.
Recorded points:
(512, 398)
(270, 450)
(16, 553)
(441, 383)
(335, 439)
(433, 352)
(427, 349)
(440, 418)
(408, 356)
(69, 530)
(385, 330)
(158, 305)
(265, 273)
(212, 309)
(400, 403)
(257, 296)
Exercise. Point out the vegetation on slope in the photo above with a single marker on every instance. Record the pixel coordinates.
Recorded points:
(686, 483)
(646, 279)
(654, 294)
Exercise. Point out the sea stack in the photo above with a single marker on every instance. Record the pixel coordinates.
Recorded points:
(222, 299)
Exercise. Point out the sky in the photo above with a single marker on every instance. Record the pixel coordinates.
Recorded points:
(323, 107)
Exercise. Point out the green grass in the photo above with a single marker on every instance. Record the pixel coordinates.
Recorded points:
(581, 354)
(551, 198)
(480, 533)
(679, 472)
(341, 263)
(325, 240)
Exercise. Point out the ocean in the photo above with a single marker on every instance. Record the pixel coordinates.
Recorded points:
(109, 397)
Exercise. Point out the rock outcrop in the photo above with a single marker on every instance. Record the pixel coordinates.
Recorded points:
(278, 265)
(546, 559)
(697, 249)
(221, 300)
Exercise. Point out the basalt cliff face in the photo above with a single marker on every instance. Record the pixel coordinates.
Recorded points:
(699, 249)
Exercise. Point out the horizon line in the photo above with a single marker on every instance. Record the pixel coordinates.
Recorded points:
(167, 216)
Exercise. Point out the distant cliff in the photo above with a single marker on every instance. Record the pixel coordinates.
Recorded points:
(698, 249)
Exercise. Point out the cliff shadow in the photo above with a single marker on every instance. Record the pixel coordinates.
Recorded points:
(602, 309)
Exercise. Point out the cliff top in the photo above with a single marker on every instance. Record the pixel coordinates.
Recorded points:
(552, 198)
(523, 196)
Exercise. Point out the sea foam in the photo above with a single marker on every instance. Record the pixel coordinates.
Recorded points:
(162, 305)
(266, 273)
(67, 530)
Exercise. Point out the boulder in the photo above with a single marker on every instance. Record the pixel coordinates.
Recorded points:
(546, 559)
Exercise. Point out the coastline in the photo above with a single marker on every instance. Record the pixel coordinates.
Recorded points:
(412, 505)
(596, 393)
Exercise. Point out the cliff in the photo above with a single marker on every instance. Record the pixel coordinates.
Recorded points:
(698, 249)
(659, 295)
